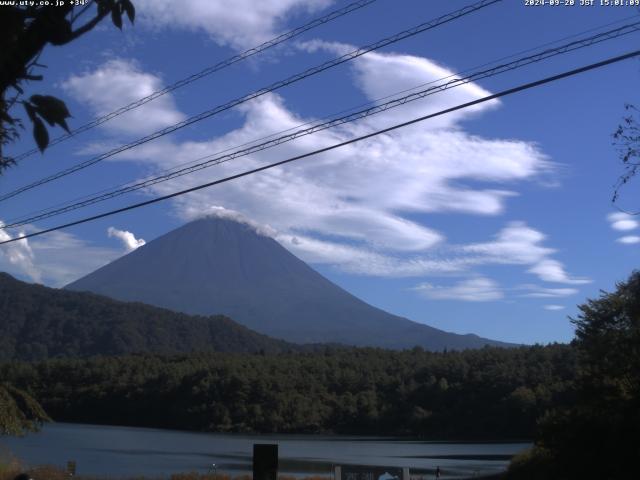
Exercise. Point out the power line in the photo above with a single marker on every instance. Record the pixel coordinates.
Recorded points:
(326, 117)
(275, 86)
(216, 159)
(207, 71)
(503, 93)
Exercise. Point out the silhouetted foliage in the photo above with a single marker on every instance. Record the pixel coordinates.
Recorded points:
(627, 141)
(19, 411)
(24, 32)
(594, 431)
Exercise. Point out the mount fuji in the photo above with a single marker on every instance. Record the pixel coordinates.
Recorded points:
(217, 265)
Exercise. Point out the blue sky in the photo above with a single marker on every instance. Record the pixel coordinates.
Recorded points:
(496, 221)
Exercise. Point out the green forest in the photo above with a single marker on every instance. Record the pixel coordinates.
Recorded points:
(39, 322)
(469, 394)
(579, 403)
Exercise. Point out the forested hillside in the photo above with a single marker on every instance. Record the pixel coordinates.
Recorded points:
(487, 393)
(37, 322)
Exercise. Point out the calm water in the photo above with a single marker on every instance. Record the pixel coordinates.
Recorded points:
(126, 451)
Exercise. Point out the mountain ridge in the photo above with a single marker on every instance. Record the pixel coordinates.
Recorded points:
(38, 322)
(217, 265)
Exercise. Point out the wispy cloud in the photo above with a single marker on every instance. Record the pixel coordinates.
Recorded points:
(355, 207)
(238, 23)
(119, 82)
(480, 289)
(553, 271)
(554, 308)
(622, 221)
(629, 239)
(55, 259)
(381, 75)
(18, 256)
(363, 260)
(519, 244)
(537, 291)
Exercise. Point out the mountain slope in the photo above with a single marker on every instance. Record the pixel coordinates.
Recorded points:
(216, 265)
(37, 322)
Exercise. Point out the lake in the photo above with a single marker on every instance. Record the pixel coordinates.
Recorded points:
(127, 451)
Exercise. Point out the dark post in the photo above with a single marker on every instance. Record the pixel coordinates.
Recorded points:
(265, 461)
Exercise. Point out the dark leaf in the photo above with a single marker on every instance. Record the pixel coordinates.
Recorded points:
(40, 134)
(52, 103)
(116, 16)
(31, 111)
(60, 31)
(52, 109)
(130, 10)
(63, 124)
(103, 6)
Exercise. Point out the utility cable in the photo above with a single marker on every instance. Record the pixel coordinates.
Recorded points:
(205, 72)
(273, 87)
(216, 159)
(397, 126)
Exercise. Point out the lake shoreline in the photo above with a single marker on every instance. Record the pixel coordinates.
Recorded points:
(363, 435)
(122, 452)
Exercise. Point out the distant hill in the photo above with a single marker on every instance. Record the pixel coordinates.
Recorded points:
(216, 265)
(37, 322)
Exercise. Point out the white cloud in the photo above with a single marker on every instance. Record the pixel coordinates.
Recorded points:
(18, 256)
(362, 260)
(629, 239)
(516, 244)
(553, 271)
(381, 75)
(480, 289)
(554, 307)
(128, 239)
(519, 244)
(354, 207)
(358, 192)
(238, 23)
(54, 259)
(117, 83)
(63, 257)
(622, 221)
(536, 291)
(221, 212)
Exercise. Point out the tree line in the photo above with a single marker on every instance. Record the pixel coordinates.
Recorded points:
(579, 402)
(464, 394)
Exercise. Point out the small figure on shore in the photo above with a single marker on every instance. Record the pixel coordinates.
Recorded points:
(437, 473)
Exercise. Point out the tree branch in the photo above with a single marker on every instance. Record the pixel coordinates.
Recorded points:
(87, 26)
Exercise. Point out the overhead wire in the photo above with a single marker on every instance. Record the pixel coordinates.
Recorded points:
(503, 93)
(216, 159)
(443, 19)
(204, 72)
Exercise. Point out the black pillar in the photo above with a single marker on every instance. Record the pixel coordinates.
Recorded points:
(265, 461)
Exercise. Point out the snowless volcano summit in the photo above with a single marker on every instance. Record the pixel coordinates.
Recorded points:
(218, 265)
